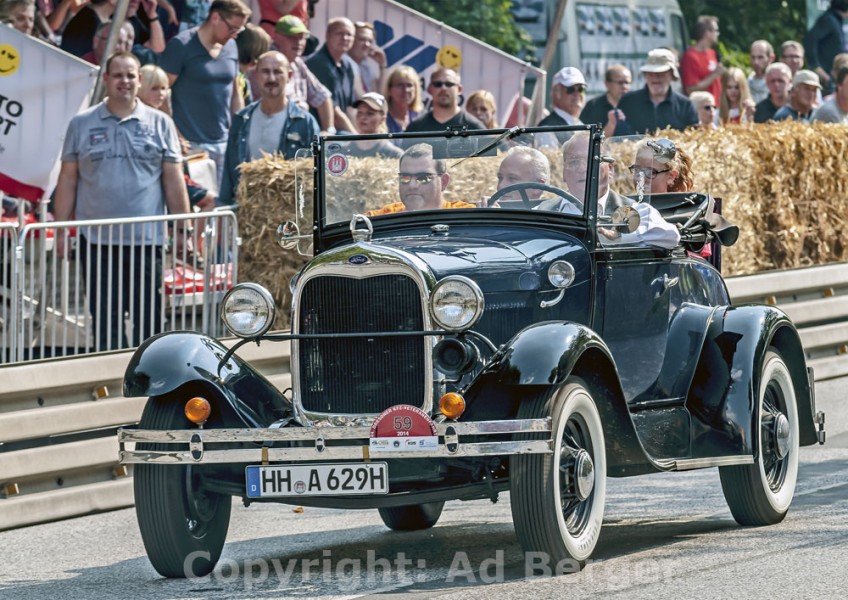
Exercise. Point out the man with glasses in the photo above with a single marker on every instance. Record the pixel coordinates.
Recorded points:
(655, 106)
(617, 80)
(202, 66)
(444, 89)
(421, 181)
(568, 95)
(653, 229)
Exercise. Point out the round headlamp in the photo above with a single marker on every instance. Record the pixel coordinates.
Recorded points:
(456, 303)
(561, 274)
(248, 310)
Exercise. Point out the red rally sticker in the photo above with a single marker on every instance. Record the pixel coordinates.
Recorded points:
(402, 420)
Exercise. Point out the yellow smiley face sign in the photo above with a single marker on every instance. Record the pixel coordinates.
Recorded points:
(449, 57)
(10, 60)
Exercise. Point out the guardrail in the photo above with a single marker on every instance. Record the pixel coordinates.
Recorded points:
(59, 453)
(816, 298)
(121, 281)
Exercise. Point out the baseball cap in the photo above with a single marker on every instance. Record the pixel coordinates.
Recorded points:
(569, 76)
(290, 25)
(372, 99)
(660, 60)
(806, 77)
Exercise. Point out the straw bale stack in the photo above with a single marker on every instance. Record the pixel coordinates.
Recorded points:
(785, 185)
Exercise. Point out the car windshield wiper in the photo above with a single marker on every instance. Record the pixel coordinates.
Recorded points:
(508, 134)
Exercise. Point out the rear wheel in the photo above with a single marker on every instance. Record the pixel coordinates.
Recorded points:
(760, 494)
(183, 527)
(558, 499)
(412, 517)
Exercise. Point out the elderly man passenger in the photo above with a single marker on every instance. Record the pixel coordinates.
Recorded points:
(653, 230)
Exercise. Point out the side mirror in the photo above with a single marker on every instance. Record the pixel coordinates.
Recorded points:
(626, 218)
(288, 235)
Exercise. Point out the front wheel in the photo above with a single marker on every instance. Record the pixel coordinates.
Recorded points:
(760, 494)
(412, 517)
(183, 527)
(558, 499)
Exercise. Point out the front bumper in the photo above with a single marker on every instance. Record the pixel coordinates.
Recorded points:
(349, 443)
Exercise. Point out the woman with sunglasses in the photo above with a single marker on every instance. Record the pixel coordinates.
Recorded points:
(705, 106)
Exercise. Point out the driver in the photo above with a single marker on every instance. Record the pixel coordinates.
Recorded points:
(523, 164)
(421, 181)
(652, 230)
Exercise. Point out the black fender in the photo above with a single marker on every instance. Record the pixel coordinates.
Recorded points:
(546, 354)
(168, 361)
(724, 391)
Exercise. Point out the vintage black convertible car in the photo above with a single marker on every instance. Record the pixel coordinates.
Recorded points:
(463, 332)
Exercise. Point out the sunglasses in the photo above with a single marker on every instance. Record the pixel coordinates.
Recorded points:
(578, 88)
(648, 172)
(708, 107)
(420, 178)
(441, 84)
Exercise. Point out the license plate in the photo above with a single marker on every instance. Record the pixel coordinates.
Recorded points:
(317, 479)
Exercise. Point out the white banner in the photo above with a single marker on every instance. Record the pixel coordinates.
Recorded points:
(41, 88)
(410, 38)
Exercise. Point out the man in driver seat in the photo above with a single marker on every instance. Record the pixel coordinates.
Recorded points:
(421, 181)
(653, 229)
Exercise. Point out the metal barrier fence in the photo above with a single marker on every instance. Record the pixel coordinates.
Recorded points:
(75, 287)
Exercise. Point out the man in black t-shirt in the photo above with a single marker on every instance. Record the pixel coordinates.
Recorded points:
(445, 112)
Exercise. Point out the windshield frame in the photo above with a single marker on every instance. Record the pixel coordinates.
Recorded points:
(327, 235)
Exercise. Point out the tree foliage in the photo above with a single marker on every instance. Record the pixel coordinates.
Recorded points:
(742, 22)
(486, 20)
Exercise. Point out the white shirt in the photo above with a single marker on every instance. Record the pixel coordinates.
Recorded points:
(265, 133)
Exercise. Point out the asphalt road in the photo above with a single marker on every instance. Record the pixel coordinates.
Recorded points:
(665, 536)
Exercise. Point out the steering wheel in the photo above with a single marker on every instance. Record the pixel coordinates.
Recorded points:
(522, 188)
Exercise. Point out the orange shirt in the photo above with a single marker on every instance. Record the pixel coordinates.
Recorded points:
(399, 207)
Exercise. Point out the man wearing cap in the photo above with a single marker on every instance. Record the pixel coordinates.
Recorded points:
(805, 86)
(656, 106)
(304, 89)
(568, 96)
(271, 124)
(445, 88)
(336, 70)
(371, 110)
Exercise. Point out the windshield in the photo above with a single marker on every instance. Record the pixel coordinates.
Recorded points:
(543, 170)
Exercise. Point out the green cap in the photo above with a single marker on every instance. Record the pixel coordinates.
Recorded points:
(290, 25)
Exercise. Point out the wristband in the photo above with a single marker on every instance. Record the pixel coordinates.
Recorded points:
(155, 18)
(185, 229)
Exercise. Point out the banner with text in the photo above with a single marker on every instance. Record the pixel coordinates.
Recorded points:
(41, 88)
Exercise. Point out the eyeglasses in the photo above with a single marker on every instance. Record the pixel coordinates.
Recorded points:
(709, 107)
(420, 178)
(232, 29)
(580, 89)
(647, 172)
(622, 82)
(441, 84)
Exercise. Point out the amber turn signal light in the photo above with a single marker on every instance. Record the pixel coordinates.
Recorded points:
(197, 410)
(452, 405)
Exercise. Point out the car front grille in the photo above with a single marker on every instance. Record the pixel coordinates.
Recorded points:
(368, 374)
